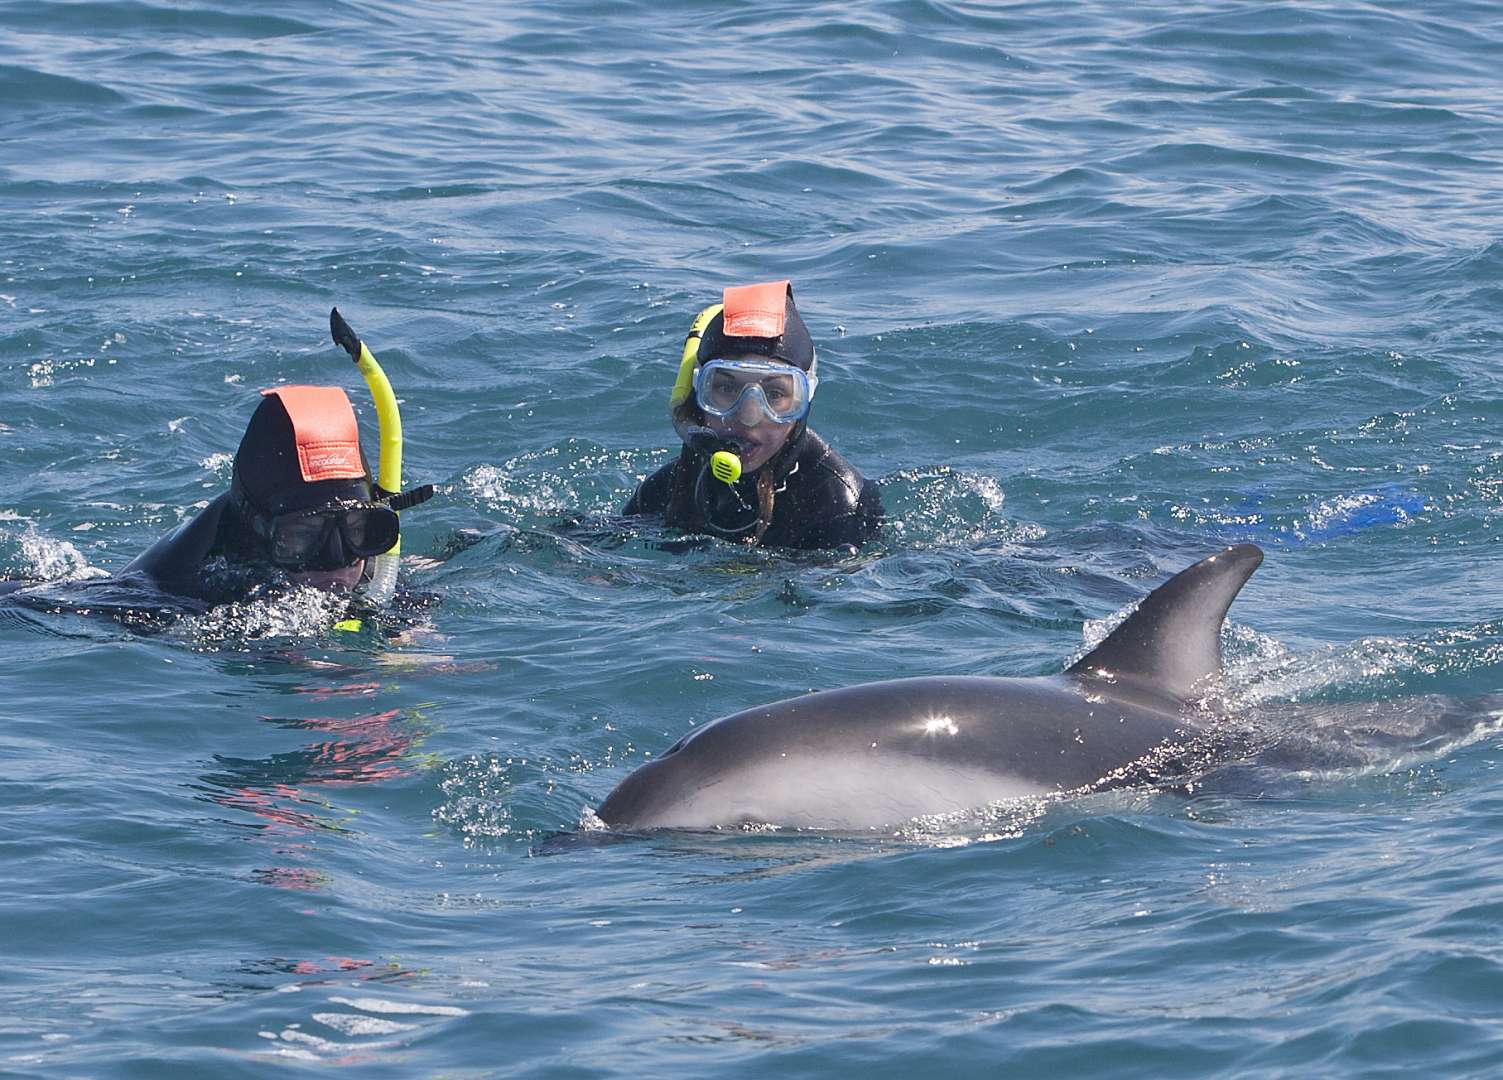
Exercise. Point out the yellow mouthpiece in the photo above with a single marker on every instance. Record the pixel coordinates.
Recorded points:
(725, 466)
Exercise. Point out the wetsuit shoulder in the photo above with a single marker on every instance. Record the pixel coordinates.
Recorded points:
(825, 501)
(175, 561)
(651, 496)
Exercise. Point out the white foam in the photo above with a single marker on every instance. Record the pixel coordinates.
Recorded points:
(54, 560)
(354, 1024)
(399, 1008)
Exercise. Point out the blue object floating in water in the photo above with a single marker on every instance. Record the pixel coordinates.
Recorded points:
(1325, 520)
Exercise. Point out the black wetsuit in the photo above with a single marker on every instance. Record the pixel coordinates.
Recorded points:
(216, 556)
(820, 500)
(169, 574)
(148, 595)
(175, 563)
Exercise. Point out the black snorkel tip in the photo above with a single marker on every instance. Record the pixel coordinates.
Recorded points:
(344, 337)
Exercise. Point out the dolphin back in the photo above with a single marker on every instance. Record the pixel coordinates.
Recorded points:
(1173, 639)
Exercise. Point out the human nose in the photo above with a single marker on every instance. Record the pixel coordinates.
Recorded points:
(749, 409)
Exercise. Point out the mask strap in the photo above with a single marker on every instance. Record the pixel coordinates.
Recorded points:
(253, 515)
(405, 500)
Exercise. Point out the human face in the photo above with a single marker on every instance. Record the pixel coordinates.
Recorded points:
(342, 580)
(760, 437)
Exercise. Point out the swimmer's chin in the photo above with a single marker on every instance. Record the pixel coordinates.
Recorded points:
(342, 580)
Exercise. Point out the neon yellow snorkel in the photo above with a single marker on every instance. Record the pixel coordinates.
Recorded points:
(725, 466)
(683, 386)
(389, 471)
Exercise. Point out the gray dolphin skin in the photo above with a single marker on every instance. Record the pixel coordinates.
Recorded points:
(882, 753)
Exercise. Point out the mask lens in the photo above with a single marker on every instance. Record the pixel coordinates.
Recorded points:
(723, 389)
(369, 530)
(296, 538)
(306, 540)
(782, 392)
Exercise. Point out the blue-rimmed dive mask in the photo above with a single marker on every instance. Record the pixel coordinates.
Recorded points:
(782, 391)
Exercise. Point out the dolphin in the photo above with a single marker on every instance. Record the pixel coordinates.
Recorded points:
(882, 753)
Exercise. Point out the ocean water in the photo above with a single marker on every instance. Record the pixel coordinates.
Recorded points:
(1098, 288)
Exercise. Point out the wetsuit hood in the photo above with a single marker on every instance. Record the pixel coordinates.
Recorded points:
(759, 320)
(301, 449)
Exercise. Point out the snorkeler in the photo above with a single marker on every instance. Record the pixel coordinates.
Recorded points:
(300, 501)
(751, 469)
(302, 507)
(301, 498)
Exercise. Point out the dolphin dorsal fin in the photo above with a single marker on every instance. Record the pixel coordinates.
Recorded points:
(1173, 640)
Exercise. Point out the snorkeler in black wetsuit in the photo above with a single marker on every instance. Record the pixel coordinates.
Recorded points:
(301, 509)
(751, 469)
(300, 500)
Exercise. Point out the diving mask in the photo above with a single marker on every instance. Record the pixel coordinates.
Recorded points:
(781, 392)
(328, 537)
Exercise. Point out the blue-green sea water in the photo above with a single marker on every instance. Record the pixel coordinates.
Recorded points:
(1098, 288)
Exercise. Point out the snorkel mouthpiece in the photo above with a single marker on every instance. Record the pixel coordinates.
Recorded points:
(721, 504)
(725, 454)
(725, 466)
